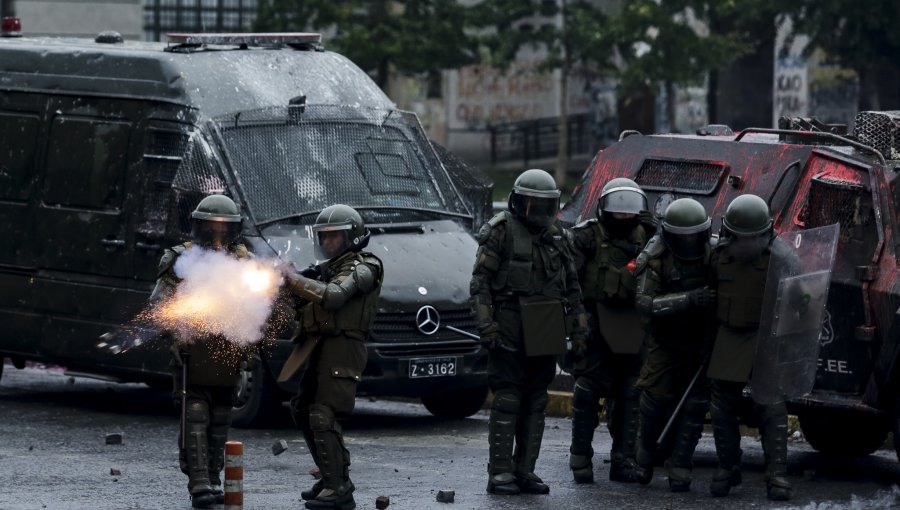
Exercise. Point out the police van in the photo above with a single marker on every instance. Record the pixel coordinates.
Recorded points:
(108, 145)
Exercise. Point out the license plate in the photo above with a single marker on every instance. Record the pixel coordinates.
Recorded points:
(432, 367)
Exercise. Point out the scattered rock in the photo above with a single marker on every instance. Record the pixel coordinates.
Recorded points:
(31, 448)
(382, 502)
(114, 472)
(446, 496)
(396, 470)
(114, 438)
(279, 447)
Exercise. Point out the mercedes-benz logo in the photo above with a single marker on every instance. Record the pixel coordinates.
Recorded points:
(428, 320)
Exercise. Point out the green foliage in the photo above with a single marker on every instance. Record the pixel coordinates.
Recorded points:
(571, 31)
(412, 36)
(669, 41)
(854, 34)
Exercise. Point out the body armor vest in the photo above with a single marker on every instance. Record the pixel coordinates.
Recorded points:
(605, 278)
(534, 264)
(741, 288)
(355, 318)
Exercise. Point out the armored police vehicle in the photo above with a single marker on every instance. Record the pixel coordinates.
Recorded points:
(812, 175)
(108, 145)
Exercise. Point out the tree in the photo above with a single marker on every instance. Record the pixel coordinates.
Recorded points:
(571, 32)
(862, 36)
(668, 42)
(409, 36)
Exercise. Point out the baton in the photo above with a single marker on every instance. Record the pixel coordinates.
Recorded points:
(477, 338)
(184, 373)
(678, 407)
(462, 332)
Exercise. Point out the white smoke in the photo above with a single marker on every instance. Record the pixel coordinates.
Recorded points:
(221, 295)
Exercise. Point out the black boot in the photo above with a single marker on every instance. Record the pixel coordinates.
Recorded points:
(219, 423)
(337, 491)
(585, 418)
(652, 422)
(773, 430)
(528, 447)
(314, 491)
(623, 417)
(501, 436)
(724, 412)
(196, 454)
(688, 429)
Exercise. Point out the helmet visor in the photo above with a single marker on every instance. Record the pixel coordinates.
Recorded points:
(623, 200)
(537, 211)
(215, 234)
(687, 246)
(746, 249)
(331, 241)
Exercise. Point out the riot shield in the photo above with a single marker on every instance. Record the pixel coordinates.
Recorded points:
(793, 309)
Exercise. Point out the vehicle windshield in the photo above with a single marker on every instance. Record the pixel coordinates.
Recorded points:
(291, 163)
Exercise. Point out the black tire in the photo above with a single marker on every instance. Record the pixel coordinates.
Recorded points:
(457, 403)
(258, 399)
(843, 434)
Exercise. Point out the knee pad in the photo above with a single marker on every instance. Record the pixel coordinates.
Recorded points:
(197, 412)
(321, 418)
(507, 402)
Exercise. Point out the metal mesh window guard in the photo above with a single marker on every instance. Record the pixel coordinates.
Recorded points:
(696, 177)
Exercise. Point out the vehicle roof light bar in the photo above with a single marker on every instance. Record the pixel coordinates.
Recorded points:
(246, 39)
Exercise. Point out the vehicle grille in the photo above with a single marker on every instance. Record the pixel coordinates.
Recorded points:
(394, 327)
(696, 177)
(880, 130)
(457, 348)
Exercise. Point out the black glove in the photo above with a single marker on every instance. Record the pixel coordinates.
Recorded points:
(648, 221)
(490, 335)
(703, 298)
(313, 272)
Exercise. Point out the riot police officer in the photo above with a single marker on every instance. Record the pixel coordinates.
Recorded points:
(740, 263)
(337, 305)
(211, 375)
(604, 246)
(523, 284)
(674, 293)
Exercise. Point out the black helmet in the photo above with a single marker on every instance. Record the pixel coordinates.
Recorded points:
(339, 228)
(621, 195)
(686, 228)
(747, 215)
(216, 222)
(535, 198)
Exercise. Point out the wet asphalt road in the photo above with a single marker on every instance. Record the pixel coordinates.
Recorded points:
(53, 455)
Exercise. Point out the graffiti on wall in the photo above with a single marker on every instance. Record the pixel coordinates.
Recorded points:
(791, 90)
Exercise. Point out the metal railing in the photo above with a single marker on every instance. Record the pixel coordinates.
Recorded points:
(538, 138)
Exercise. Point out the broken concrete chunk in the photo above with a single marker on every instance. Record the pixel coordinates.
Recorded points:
(382, 502)
(279, 447)
(446, 496)
(114, 472)
(114, 438)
